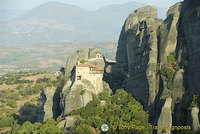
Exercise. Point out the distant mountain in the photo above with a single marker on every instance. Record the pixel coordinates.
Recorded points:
(57, 22)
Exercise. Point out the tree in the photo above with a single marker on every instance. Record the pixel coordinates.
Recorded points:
(122, 110)
(62, 70)
(82, 93)
(49, 127)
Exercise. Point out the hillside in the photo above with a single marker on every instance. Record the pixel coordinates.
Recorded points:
(20, 96)
(58, 22)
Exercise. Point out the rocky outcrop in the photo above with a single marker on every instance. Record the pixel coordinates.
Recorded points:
(190, 29)
(178, 85)
(67, 122)
(169, 33)
(131, 24)
(137, 54)
(194, 119)
(143, 58)
(47, 100)
(165, 118)
(72, 98)
(79, 90)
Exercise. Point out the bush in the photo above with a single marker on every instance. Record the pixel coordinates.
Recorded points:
(1, 82)
(6, 121)
(33, 99)
(23, 92)
(2, 105)
(28, 103)
(49, 127)
(171, 59)
(82, 61)
(122, 110)
(169, 74)
(158, 32)
(83, 129)
(11, 103)
(19, 87)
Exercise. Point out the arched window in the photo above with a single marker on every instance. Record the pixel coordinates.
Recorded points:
(98, 56)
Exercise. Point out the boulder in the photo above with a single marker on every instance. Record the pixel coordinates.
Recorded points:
(67, 122)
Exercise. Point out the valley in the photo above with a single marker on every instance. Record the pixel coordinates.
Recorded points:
(49, 57)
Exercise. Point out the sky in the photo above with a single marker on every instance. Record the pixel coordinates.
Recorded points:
(86, 4)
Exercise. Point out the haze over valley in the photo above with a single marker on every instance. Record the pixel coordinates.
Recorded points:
(33, 33)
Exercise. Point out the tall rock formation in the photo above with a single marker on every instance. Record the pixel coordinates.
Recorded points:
(190, 21)
(160, 63)
(137, 54)
(85, 69)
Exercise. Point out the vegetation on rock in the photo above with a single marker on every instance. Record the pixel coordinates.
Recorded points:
(20, 99)
(169, 70)
(121, 109)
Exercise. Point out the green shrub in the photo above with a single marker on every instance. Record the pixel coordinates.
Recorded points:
(23, 92)
(82, 61)
(20, 86)
(1, 82)
(2, 105)
(158, 32)
(169, 74)
(11, 103)
(172, 107)
(195, 101)
(83, 129)
(82, 92)
(49, 127)
(28, 103)
(33, 99)
(6, 121)
(171, 59)
(122, 110)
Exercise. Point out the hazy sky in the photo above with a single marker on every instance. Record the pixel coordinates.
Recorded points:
(86, 4)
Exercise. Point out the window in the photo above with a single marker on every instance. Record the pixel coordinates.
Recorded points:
(98, 56)
(79, 77)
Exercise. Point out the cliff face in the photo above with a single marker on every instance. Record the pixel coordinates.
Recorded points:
(160, 62)
(190, 35)
(138, 53)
